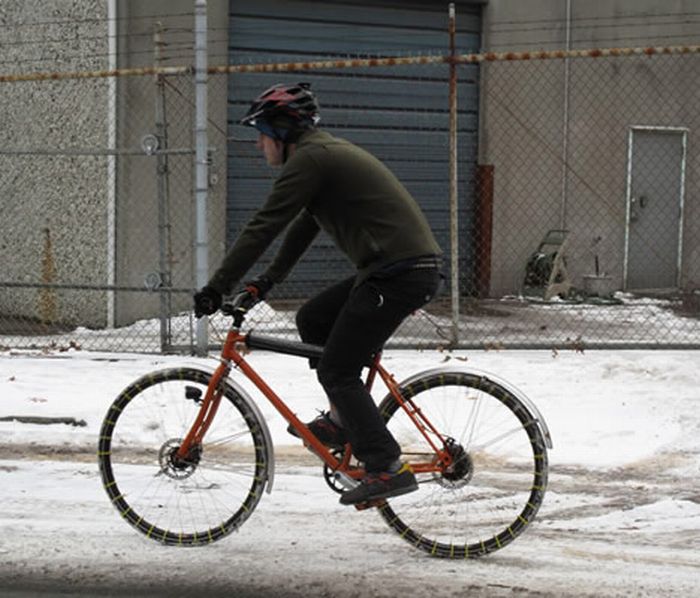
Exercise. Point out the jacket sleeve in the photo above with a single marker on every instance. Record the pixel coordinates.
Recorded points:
(299, 236)
(298, 184)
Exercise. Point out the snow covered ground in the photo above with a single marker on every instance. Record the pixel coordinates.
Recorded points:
(621, 516)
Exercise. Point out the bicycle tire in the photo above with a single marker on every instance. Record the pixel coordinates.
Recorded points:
(176, 503)
(494, 490)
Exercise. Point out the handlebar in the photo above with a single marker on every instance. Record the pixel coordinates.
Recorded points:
(239, 306)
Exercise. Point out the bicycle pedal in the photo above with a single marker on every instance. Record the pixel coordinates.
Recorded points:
(378, 502)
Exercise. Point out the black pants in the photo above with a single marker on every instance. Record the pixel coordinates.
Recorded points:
(353, 322)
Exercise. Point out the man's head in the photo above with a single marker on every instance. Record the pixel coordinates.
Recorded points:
(281, 114)
(275, 151)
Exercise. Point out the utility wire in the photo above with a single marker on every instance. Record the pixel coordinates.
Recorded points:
(84, 58)
(616, 18)
(251, 55)
(173, 50)
(365, 37)
(617, 41)
(576, 24)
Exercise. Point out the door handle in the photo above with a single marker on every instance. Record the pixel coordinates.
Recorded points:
(637, 203)
(640, 201)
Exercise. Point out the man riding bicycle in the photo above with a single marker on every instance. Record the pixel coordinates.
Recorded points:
(329, 184)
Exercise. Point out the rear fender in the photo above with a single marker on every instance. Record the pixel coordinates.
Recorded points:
(498, 380)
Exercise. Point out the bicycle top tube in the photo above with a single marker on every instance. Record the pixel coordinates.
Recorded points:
(272, 343)
(286, 347)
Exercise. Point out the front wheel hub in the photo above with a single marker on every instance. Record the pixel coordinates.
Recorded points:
(175, 466)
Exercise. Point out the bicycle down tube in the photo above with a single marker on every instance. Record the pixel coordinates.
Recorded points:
(231, 354)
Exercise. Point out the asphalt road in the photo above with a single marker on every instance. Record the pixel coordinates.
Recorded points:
(598, 534)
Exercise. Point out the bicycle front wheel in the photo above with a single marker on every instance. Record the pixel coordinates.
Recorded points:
(174, 501)
(497, 479)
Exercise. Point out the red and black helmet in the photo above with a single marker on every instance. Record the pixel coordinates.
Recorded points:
(282, 109)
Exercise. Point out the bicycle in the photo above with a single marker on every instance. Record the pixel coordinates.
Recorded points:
(185, 454)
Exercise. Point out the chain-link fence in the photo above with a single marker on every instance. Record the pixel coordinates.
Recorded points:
(578, 186)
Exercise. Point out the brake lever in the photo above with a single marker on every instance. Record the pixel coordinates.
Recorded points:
(239, 306)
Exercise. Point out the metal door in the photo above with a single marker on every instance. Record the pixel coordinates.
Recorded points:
(655, 187)
(398, 114)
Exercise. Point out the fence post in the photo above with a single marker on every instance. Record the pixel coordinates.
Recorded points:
(565, 126)
(162, 173)
(112, 49)
(454, 221)
(201, 164)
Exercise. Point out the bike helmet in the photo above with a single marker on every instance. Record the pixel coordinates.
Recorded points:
(283, 111)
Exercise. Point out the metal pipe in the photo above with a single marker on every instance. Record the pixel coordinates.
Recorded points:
(112, 49)
(356, 63)
(565, 131)
(201, 165)
(454, 198)
(164, 252)
(681, 207)
(459, 59)
(100, 74)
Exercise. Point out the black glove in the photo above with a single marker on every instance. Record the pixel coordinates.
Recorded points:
(206, 302)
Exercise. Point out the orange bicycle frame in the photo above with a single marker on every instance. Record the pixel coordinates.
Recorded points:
(232, 354)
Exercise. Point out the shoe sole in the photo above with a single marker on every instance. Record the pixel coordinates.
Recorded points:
(335, 447)
(380, 497)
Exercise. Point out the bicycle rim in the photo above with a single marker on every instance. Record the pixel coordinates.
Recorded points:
(497, 481)
(181, 503)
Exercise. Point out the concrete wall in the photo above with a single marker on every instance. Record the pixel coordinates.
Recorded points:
(53, 207)
(535, 118)
(138, 232)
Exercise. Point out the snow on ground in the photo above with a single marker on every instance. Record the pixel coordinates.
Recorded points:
(621, 516)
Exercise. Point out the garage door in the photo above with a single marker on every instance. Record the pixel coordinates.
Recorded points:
(399, 113)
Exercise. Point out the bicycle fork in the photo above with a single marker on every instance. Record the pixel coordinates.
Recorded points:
(207, 411)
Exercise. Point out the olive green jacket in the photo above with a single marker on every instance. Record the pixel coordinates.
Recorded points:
(329, 183)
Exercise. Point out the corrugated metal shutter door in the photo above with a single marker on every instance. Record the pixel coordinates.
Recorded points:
(399, 114)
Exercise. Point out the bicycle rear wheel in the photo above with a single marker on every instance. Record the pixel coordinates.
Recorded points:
(174, 501)
(497, 480)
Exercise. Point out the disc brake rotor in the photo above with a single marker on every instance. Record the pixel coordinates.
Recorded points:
(460, 471)
(174, 466)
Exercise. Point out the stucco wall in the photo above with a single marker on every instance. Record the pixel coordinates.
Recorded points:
(52, 207)
(54, 198)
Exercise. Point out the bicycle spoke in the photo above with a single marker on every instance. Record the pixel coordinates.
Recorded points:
(229, 438)
(472, 422)
(494, 483)
(175, 501)
(480, 447)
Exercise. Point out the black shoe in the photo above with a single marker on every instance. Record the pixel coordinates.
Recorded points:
(326, 430)
(385, 484)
